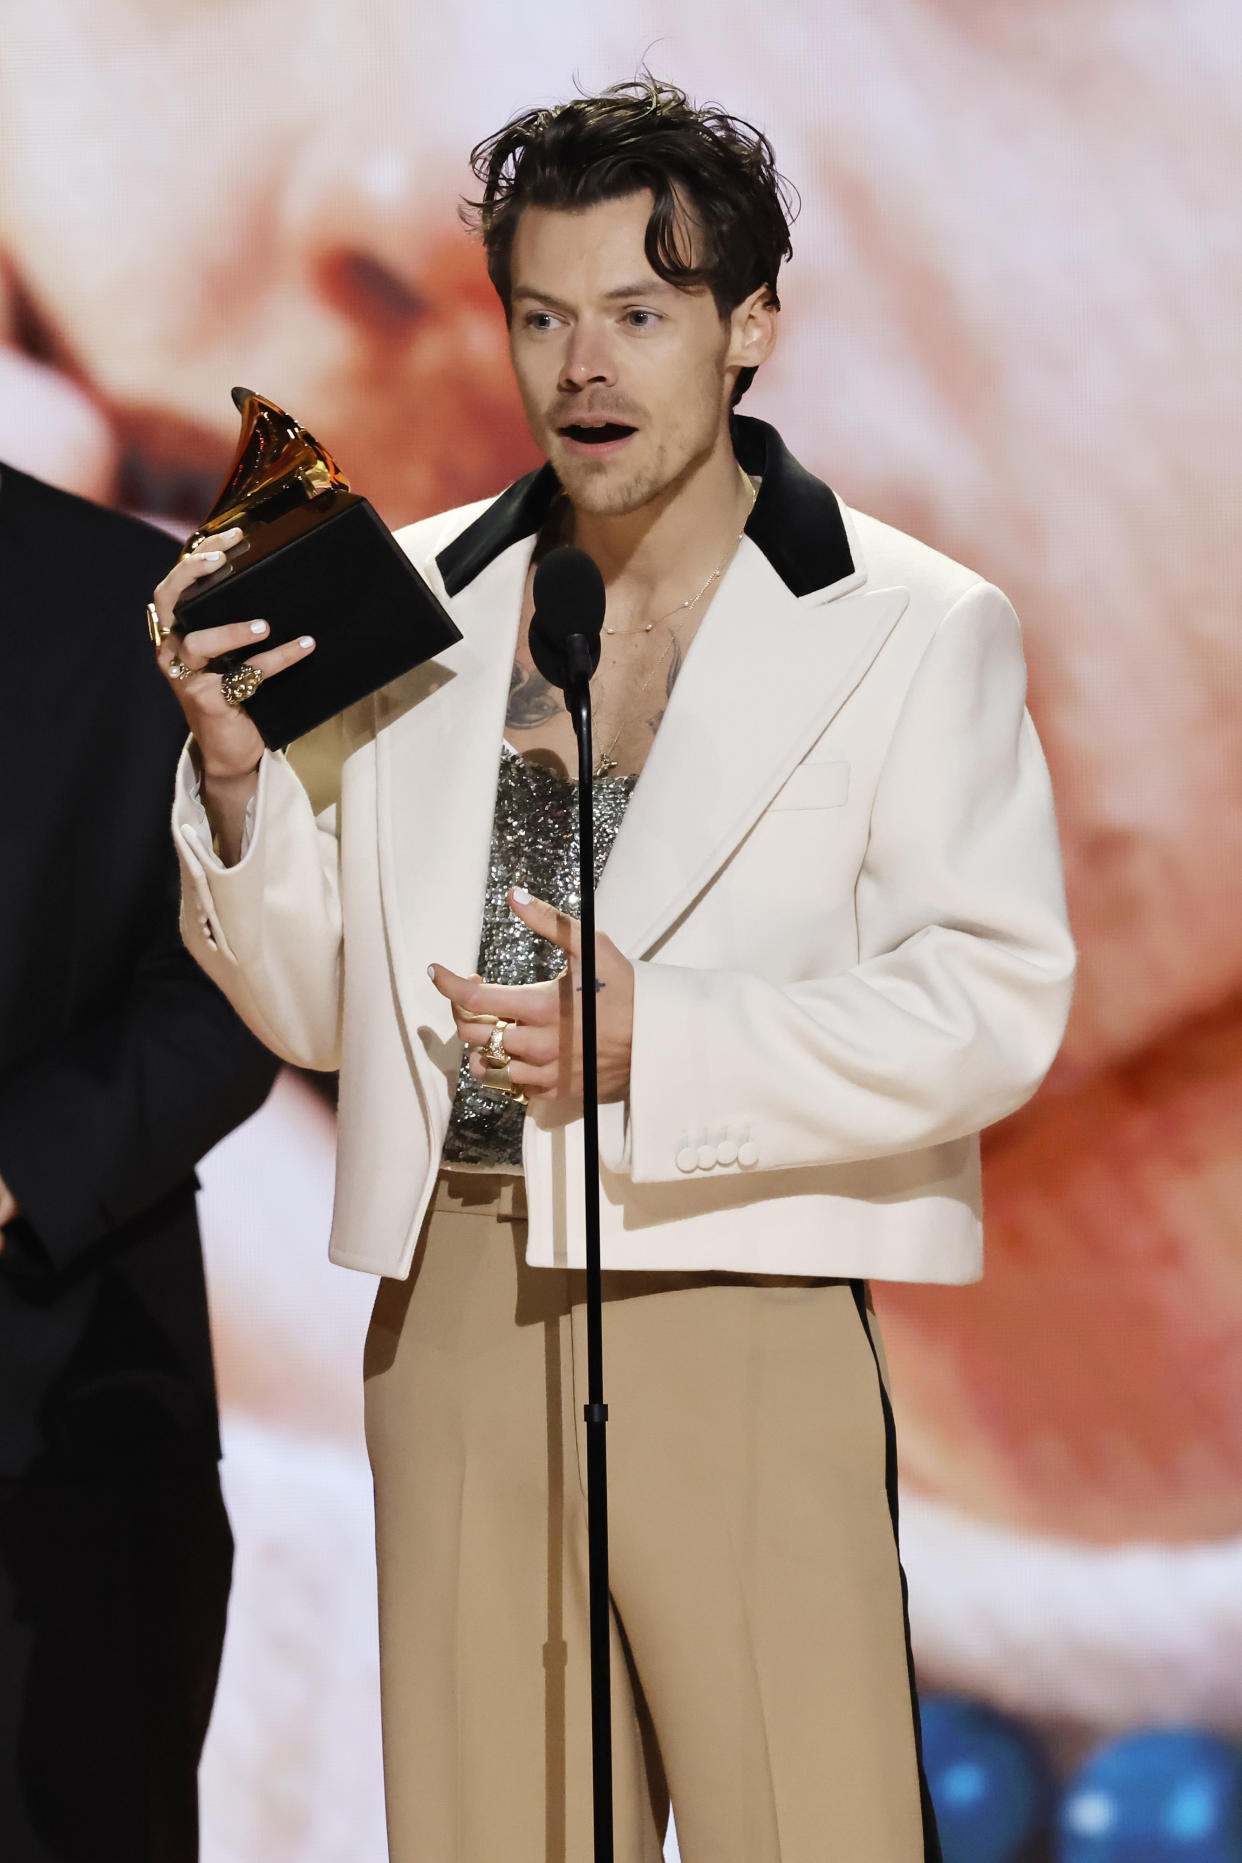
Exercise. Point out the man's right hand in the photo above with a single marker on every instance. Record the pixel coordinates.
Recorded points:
(228, 742)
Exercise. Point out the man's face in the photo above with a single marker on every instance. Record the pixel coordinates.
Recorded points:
(625, 379)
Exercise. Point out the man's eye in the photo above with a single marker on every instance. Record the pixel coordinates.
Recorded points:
(539, 320)
(641, 319)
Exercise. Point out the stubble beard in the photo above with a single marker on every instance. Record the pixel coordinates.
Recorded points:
(624, 489)
(603, 495)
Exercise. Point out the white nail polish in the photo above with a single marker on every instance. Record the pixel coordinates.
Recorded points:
(258, 627)
(307, 640)
(520, 896)
(431, 972)
(211, 556)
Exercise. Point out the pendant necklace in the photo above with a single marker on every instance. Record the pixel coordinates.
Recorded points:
(607, 762)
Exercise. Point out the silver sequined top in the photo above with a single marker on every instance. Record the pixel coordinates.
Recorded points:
(534, 844)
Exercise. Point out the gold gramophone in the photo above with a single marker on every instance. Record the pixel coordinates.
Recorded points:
(313, 558)
(277, 463)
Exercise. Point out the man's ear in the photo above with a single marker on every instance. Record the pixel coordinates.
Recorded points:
(752, 330)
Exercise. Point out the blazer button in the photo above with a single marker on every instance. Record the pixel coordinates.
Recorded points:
(726, 1153)
(687, 1159)
(748, 1153)
(707, 1157)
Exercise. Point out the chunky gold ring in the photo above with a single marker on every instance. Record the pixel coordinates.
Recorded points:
(496, 1080)
(155, 627)
(494, 1053)
(177, 668)
(240, 683)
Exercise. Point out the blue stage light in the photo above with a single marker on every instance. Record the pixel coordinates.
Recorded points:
(988, 1782)
(1167, 1795)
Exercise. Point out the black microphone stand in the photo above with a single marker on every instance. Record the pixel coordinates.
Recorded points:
(578, 700)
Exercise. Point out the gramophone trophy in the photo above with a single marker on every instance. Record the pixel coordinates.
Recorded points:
(314, 558)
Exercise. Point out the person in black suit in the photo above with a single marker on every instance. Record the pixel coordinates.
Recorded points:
(120, 1065)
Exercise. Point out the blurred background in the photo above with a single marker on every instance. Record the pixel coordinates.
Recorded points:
(1012, 327)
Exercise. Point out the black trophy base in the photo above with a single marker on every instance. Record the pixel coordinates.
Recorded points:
(328, 566)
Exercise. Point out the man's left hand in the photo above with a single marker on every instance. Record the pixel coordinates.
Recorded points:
(544, 1037)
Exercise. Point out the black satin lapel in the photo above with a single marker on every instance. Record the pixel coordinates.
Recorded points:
(796, 521)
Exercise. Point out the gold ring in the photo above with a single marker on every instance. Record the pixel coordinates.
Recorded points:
(494, 1053)
(177, 668)
(496, 1061)
(155, 627)
(240, 683)
(496, 1080)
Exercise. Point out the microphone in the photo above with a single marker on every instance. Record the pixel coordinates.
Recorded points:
(565, 645)
(568, 618)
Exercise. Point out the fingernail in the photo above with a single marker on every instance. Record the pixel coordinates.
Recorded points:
(431, 972)
(521, 896)
(225, 534)
(307, 640)
(258, 627)
(211, 556)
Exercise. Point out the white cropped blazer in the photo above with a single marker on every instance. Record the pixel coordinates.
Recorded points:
(838, 880)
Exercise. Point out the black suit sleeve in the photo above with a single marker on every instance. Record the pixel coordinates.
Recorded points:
(100, 1126)
(120, 1063)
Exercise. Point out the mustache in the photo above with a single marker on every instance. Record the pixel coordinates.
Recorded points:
(564, 413)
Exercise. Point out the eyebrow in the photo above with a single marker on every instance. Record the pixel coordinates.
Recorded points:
(647, 288)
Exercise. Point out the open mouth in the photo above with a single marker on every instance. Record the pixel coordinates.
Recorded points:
(596, 433)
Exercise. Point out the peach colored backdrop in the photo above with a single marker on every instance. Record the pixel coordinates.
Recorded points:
(1012, 327)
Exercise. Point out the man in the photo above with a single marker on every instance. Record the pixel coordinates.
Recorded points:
(834, 946)
(120, 1065)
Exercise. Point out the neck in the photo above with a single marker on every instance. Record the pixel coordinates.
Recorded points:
(656, 555)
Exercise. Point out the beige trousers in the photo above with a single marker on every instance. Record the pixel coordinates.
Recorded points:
(760, 1657)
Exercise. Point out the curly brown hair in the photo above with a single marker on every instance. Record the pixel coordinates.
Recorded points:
(645, 134)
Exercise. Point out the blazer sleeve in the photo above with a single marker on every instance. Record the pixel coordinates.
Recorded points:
(267, 931)
(100, 1126)
(958, 1002)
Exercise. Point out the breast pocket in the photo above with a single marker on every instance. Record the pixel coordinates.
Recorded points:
(815, 786)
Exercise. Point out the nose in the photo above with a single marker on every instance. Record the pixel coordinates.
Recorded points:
(363, 231)
(587, 360)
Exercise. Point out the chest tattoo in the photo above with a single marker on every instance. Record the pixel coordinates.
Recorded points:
(532, 701)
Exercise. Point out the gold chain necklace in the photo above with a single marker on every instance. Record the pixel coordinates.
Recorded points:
(607, 762)
(714, 577)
